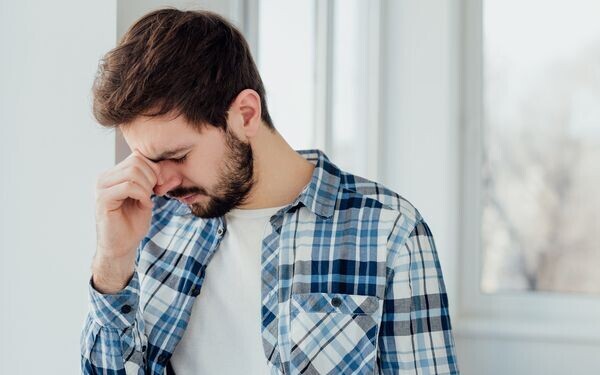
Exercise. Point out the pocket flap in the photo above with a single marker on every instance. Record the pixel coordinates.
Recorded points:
(336, 302)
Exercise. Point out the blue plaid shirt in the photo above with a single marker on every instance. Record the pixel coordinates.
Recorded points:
(351, 284)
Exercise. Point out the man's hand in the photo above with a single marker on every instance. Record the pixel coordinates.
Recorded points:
(123, 216)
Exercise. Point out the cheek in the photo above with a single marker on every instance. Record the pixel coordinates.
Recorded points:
(213, 170)
(203, 172)
(208, 159)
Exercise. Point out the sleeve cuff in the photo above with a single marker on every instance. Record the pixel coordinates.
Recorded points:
(115, 310)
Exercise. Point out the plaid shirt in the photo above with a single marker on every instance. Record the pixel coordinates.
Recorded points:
(351, 284)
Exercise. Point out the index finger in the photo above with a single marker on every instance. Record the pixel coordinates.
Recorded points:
(150, 163)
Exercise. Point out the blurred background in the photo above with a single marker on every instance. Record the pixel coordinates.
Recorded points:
(485, 114)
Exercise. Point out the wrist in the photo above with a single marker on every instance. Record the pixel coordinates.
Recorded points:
(111, 275)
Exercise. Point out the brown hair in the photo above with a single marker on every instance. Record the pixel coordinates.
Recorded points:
(191, 62)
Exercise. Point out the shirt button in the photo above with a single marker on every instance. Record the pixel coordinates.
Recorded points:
(125, 309)
(195, 291)
(163, 358)
(220, 231)
(336, 301)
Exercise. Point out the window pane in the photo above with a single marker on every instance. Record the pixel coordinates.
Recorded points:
(541, 146)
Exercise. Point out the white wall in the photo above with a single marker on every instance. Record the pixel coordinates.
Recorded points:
(517, 356)
(50, 152)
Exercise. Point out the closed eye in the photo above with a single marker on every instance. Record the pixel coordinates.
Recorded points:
(180, 160)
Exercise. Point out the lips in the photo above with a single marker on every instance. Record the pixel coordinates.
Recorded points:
(188, 198)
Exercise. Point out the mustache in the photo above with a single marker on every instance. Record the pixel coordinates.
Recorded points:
(184, 192)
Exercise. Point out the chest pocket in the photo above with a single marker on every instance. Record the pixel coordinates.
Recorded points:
(333, 333)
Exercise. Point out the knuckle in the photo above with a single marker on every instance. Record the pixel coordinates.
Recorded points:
(136, 170)
(137, 158)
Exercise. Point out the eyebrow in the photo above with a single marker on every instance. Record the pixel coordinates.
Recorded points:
(170, 153)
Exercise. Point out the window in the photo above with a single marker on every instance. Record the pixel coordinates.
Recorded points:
(541, 146)
(319, 61)
(501, 106)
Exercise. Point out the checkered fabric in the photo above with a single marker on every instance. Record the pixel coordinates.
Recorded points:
(351, 284)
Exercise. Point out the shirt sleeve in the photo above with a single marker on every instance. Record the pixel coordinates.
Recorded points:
(112, 339)
(415, 336)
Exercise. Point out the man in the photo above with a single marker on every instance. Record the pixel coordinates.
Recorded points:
(221, 250)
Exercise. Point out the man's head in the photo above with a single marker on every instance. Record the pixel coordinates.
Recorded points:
(215, 165)
(187, 79)
(193, 62)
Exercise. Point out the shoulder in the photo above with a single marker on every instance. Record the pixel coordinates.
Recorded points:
(375, 195)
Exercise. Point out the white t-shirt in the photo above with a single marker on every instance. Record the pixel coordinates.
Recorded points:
(223, 335)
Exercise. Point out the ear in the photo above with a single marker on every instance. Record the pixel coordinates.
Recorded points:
(244, 114)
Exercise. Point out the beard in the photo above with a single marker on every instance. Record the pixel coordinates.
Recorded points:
(234, 183)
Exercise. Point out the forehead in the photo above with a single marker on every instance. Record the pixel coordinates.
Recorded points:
(156, 135)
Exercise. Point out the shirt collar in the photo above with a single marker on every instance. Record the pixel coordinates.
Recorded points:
(319, 195)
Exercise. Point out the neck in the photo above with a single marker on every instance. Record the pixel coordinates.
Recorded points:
(280, 172)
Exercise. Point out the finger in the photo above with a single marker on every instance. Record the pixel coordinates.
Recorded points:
(134, 173)
(113, 197)
(155, 167)
(148, 167)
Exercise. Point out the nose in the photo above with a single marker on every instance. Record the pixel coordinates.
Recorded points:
(169, 179)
